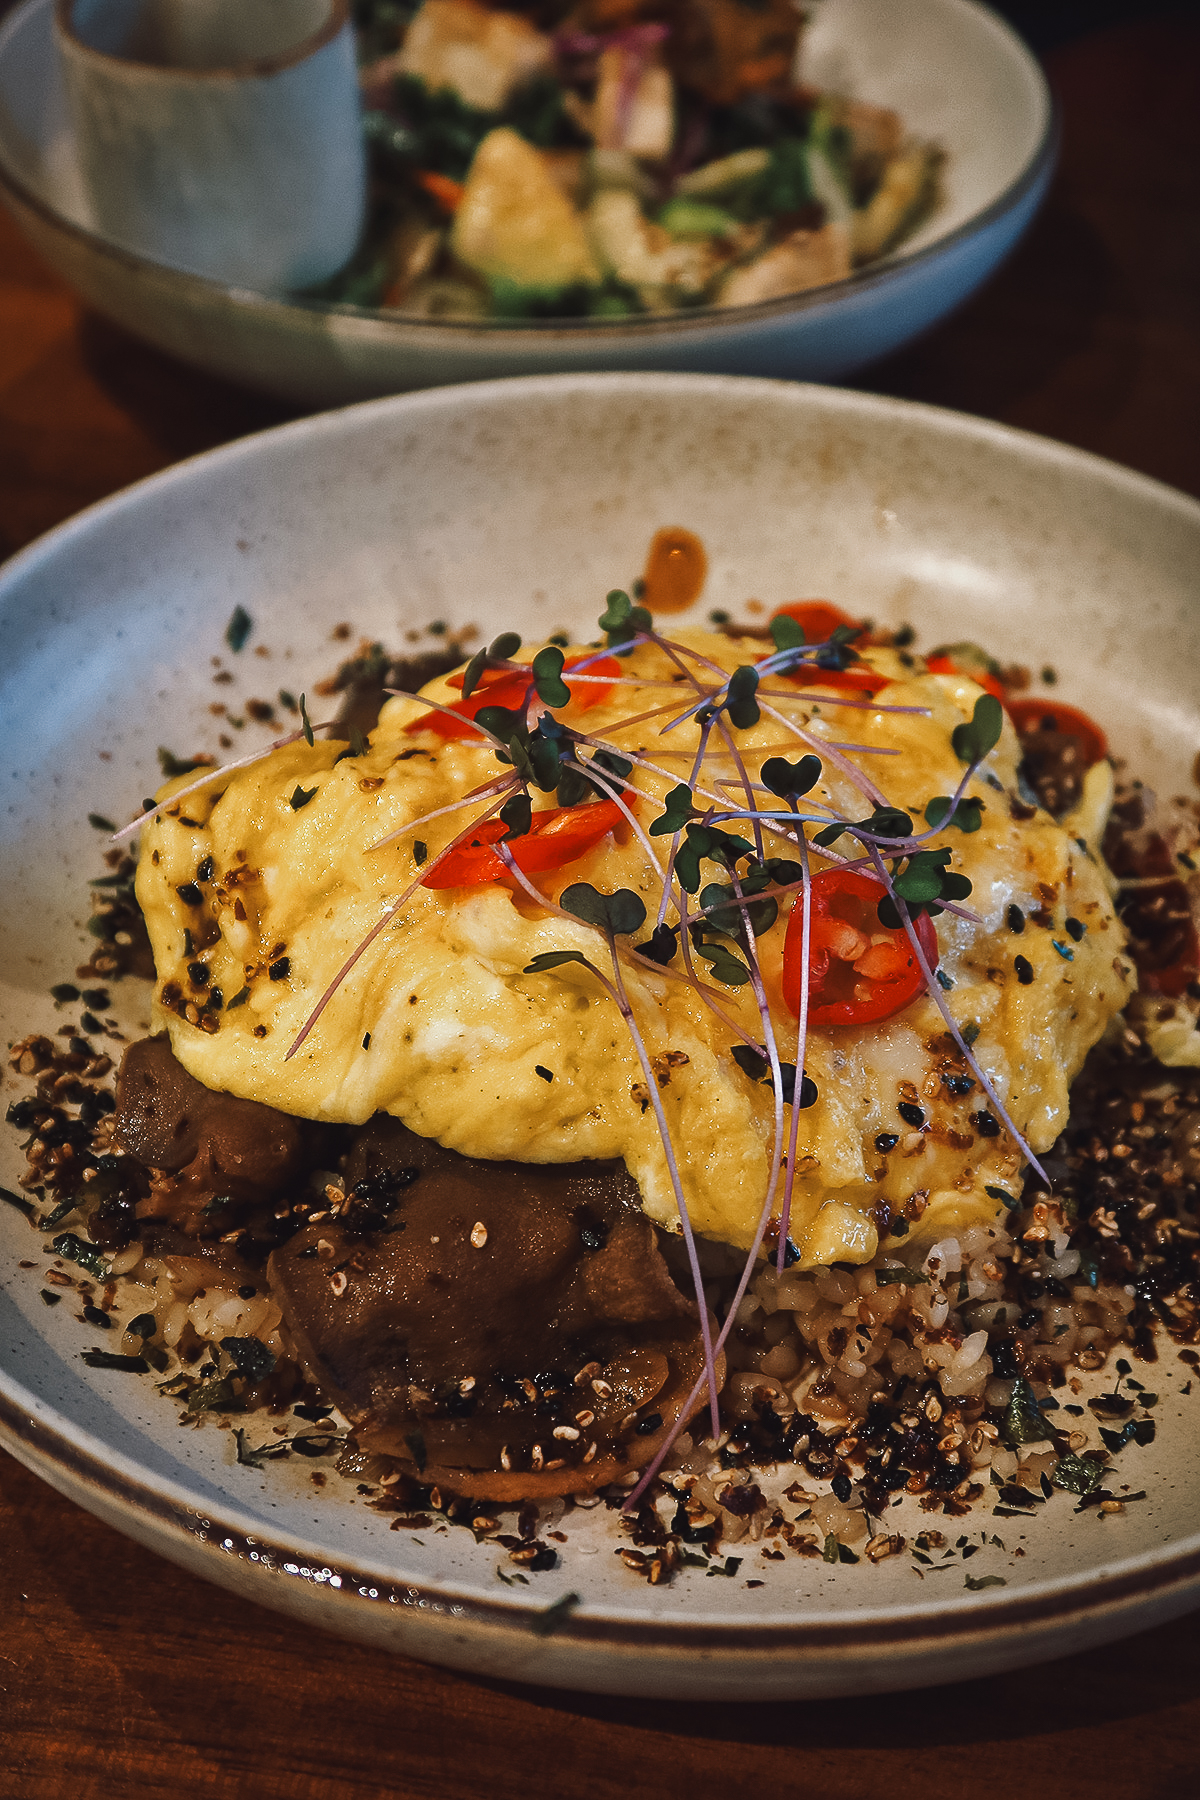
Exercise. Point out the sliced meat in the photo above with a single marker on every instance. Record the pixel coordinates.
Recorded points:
(212, 1146)
(508, 1324)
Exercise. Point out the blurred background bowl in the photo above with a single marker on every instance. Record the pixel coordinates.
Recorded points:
(954, 71)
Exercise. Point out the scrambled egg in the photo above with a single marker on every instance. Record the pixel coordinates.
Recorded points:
(263, 885)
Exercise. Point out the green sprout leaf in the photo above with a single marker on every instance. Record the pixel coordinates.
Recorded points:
(517, 814)
(679, 804)
(921, 880)
(554, 959)
(661, 945)
(622, 620)
(473, 672)
(972, 741)
(967, 814)
(724, 914)
(306, 724)
(725, 965)
(789, 780)
(619, 913)
(740, 703)
(706, 841)
(547, 677)
(301, 797)
(889, 822)
(786, 634)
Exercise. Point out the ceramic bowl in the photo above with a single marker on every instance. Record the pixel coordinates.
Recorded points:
(521, 503)
(954, 71)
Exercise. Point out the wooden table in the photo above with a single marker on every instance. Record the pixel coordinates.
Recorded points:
(121, 1676)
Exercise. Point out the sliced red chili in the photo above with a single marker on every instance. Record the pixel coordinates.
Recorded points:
(558, 836)
(860, 678)
(1034, 718)
(508, 688)
(859, 970)
(817, 619)
(946, 665)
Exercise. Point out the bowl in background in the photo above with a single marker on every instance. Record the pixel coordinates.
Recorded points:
(954, 71)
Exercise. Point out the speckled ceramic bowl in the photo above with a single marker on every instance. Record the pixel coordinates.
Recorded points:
(524, 502)
(955, 72)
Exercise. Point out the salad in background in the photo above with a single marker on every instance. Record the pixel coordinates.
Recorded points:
(607, 158)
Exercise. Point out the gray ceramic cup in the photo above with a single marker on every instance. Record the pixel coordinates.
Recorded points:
(219, 136)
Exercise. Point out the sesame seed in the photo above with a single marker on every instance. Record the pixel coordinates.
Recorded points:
(479, 1234)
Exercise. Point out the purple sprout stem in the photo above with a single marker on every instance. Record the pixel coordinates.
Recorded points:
(935, 993)
(861, 781)
(502, 785)
(785, 1213)
(385, 917)
(710, 1363)
(243, 762)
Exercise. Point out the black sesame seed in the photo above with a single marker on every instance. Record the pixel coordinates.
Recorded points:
(1015, 919)
(958, 1084)
(205, 871)
(89, 1022)
(94, 1316)
(650, 1423)
(199, 974)
(247, 1293)
(1024, 970)
(190, 894)
(280, 969)
(912, 1115)
(1076, 929)
(841, 1487)
(80, 1047)
(985, 1124)
(887, 1140)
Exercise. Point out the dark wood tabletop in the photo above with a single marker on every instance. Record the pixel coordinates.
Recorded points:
(120, 1675)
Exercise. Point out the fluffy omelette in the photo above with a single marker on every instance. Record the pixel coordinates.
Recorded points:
(247, 891)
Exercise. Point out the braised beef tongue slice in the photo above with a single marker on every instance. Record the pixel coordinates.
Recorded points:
(169, 1120)
(462, 1319)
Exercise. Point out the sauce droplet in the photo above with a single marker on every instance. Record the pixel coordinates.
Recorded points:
(676, 567)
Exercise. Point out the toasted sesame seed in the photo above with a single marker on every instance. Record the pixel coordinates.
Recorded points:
(479, 1234)
(339, 1283)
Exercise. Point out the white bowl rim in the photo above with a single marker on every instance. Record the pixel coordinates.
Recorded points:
(502, 334)
(83, 1463)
